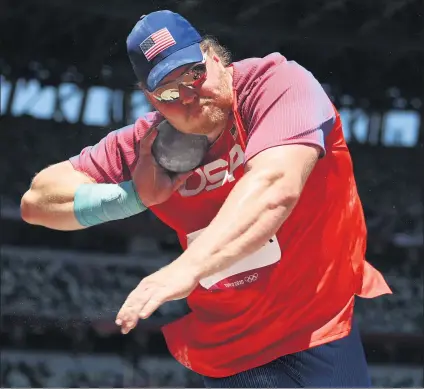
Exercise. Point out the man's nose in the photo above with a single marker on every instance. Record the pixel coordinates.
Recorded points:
(187, 95)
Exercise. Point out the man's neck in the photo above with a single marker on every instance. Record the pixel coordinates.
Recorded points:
(215, 135)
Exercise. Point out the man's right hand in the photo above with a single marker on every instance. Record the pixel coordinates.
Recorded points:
(153, 183)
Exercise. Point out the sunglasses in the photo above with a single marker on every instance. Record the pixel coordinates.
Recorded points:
(192, 78)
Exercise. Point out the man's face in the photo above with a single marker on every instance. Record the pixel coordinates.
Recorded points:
(200, 109)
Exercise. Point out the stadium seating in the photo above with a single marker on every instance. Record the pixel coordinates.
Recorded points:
(73, 286)
(37, 369)
(79, 285)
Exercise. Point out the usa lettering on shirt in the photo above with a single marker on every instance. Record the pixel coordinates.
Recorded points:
(215, 174)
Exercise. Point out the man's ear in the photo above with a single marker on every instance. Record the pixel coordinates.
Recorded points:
(211, 53)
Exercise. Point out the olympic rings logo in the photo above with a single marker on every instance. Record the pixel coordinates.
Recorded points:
(251, 278)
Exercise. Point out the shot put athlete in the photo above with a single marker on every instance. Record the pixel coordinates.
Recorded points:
(250, 168)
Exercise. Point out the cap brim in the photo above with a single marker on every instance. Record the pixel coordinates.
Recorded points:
(189, 54)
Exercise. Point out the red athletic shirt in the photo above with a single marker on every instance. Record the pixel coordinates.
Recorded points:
(298, 290)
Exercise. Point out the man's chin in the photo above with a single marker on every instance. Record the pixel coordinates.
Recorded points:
(199, 112)
(204, 122)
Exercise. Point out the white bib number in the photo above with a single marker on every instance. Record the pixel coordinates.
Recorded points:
(268, 254)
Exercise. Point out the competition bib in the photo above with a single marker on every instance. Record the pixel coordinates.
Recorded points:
(245, 271)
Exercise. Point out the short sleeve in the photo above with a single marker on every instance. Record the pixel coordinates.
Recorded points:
(287, 106)
(113, 158)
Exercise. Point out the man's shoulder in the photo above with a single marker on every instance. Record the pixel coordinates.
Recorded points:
(259, 62)
(273, 73)
(250, 71)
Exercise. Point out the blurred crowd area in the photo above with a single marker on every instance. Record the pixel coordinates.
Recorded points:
(61, 370)
(60, 291)
(72, 286)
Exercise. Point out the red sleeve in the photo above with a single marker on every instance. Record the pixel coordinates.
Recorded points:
(287, 105)
(113, 159)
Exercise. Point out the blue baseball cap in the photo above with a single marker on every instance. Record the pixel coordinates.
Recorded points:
(159, 43)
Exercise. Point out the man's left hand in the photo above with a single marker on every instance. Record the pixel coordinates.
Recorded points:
(172, 282)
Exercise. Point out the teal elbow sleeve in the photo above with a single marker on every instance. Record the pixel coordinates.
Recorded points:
(99, 203)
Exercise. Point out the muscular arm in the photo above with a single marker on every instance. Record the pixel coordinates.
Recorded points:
(287, 132)
(97, 185)
(50, 199)
(255, 209)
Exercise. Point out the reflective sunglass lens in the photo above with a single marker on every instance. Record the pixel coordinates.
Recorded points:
(169, 95)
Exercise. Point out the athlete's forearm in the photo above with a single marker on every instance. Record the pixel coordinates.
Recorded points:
(57, 213)
(251, 215)
(49, 201)
(255, 209)
(73, 201)
(87, 206)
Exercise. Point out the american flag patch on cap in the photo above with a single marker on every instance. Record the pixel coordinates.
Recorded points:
(156, 43)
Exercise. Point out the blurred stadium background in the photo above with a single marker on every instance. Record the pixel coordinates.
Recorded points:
(66, 82)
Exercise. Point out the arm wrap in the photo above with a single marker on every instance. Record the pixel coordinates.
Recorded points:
(99, 203)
